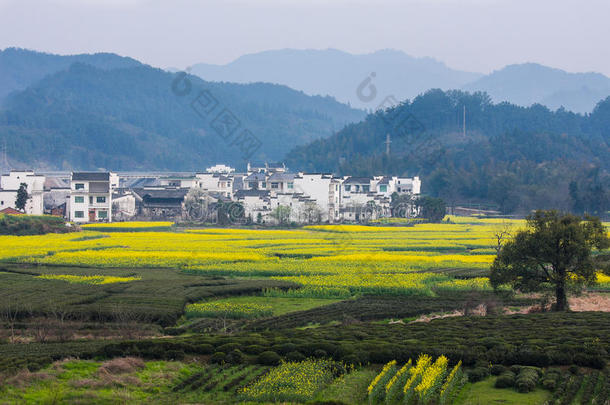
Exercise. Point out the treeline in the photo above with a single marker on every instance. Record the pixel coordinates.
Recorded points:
(141, 118)
(513, 158)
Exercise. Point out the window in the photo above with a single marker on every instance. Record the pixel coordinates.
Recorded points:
(90, 199)
(383, 188)
(102, 214)
(275, 185)
(79, 186)
(348, 187)
(79, 199)
(365, 189)
(290, 185)
(100, 199)
(263, 185)
(251, 184)
(79, 214)
(1, 202)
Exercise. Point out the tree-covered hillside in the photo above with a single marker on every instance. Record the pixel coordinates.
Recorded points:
(20, 68)
(514, 157)
(143, 118)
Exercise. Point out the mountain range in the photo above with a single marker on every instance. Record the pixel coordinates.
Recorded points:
(514, 158)
(398, 76)
(105, 111)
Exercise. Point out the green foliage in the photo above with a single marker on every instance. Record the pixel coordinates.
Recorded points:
(509, 157)
(129, 118)
(32, 225)
(526, 380)
(370, 308)
(555, 250)
(281, 214)
(433, 209)
(159, 297)
(22, 197)
(268, 358)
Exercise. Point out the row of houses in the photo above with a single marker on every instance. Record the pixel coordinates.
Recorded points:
(256, 195)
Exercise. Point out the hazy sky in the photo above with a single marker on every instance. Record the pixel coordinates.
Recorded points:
(475, 35)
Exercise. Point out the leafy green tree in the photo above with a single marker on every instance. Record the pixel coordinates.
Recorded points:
(433, 209)
(22, 197)
(281, 214)
(554, 252)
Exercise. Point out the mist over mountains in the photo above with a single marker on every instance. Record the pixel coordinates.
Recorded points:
(107, 111)
(394, 73)
(120, 114)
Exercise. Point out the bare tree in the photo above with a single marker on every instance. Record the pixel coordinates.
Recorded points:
(502, 233)
(10, 314)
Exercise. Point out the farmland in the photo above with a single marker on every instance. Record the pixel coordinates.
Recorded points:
(221, 315)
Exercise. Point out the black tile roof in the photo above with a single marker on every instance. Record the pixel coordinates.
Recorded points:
(91, 176)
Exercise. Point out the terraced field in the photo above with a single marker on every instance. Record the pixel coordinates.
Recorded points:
(160, 314)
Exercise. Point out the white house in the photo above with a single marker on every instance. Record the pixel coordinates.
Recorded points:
(220, 169)
(10, 183)
(324, 190)
(91, 196)
(255, 202)
(216, 182)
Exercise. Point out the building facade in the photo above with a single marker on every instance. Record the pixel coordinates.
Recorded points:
(9, 186)
(91, 196)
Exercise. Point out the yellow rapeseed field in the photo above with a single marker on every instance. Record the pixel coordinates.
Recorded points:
(357, 257)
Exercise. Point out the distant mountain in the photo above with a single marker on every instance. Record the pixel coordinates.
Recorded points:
(339, 74)
(20, 68)
(515, 158)
(144, 118)
(530, 83)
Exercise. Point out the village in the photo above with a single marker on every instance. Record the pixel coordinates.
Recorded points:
(267, 193)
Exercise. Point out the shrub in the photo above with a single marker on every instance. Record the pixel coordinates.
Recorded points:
(204, 349)
(254, 349)
(218, 358)
(526, 380)
(505, 380)
(268, 358)
(477, 374)
(549, 384)
(228, 347)
(174, 355)
(295, 356)
(235, 357)
(497, 369)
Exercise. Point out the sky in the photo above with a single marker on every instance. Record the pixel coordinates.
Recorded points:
(472, 35)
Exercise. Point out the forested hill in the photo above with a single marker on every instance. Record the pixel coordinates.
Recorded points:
(514, 157)
(132, 118)
(20, 68)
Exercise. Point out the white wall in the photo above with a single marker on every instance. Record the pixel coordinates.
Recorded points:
(35, 185)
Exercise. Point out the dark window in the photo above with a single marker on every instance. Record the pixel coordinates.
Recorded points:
(79, 214)
(101, 199)
(79, 199)
(79, 186)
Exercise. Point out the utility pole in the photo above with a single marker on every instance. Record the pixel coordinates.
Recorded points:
(387, 144)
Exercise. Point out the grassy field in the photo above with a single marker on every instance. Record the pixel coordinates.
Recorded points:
(220, 315)
(483, 393)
